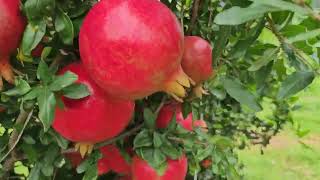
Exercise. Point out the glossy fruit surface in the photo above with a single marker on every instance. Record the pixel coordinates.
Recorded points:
(115, 160)
(133, 48)
(94, 118)
(176, 170)
(12, 25)
(197, 58)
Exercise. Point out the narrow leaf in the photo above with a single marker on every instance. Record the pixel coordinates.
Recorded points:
(295, 83)
(241, 94)
(64, 27)
(47, 103)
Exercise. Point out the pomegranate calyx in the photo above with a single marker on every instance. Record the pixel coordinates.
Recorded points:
(6, 71)
(176, 88)
(198, 91)
(84, 148)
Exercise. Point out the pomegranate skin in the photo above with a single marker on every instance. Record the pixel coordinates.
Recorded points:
(166, 114)
(176, 170)
(115, 160)
(94, 118)
(197, 58)
(132, 48)
(12, 25)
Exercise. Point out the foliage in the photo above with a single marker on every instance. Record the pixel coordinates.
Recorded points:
(264, 52)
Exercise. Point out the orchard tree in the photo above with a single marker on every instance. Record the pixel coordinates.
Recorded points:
(142, 89)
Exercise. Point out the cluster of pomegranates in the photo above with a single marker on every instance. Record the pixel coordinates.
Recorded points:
(129, 50)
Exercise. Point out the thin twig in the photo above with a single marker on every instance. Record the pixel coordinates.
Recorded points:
(163, 101)
(23, 118)
(194, 15)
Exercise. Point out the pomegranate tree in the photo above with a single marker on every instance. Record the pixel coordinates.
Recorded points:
(12, 25)
(133, 48)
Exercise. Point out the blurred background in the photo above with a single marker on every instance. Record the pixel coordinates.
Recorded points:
(292, 154)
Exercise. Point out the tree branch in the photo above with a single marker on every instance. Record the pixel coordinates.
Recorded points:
(23, 118)
(194, 15)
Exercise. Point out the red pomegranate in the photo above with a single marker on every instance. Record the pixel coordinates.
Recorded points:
(37, 51)
(12, 25)
(166, 114)
(133, 48)
(176, 170)
(115, 160)
(92, 119)
(197, 61)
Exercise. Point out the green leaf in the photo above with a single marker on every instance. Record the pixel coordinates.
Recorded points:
(45, 53)
(269, 55)
(63, 81)
(46, 103)
(63, 143)
(237, 15)
(143, 139)
(32, 36)
(90, 161)
(157, 140)
(76, 91)
(22, 87)
(36, 9)
(149, 118)
(64, 27)
(295, 83)
(305, 36)
(91, 173)
(43, 72)
(241, 94)
(35, 172)
(33, 94)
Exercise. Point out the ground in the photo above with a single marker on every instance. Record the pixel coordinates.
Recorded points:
(289, 157)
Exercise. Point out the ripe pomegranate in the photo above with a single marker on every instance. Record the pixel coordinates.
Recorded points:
(133, 48)
(115, 160)
(197, 61)
(92, 119)
(176, 170)
(12, 25)
(166, 114)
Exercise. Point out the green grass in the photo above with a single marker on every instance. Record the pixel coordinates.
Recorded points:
(286, 158)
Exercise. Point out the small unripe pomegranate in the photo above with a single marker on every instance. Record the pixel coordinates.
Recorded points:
(197, 61)
(176, 170)
(133, 48)
(115, 160)
(12, 25)
(166, 114)
(92, 119)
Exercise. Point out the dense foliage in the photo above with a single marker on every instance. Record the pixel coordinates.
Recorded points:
(264, 53)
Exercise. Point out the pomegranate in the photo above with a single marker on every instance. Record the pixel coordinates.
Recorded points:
(133, 48)
(176, 170)
(197, 61)
(92, 119)
(166, 114)
(115, 160)
(12, 25)
(37, 51)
